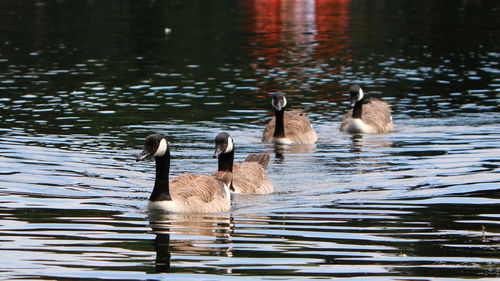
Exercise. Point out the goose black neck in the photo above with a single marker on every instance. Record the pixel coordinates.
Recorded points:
(226, 161)
(160, 190)
(279, 129)
(357, 111)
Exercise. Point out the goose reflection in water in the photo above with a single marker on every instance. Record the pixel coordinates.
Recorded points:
(358, 143)
(280, 150)
(202, 228)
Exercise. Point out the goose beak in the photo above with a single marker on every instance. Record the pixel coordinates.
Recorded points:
(144, 154)
(218, 151)
(354, 100)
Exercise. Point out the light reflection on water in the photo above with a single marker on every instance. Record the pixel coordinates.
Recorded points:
(419, 203)
(380, 205)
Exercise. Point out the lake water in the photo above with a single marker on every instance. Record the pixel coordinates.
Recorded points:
(83, 82)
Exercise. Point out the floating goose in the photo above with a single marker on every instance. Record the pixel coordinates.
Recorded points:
(187, 193)
(372, 117)
(248, 176)
(290, 127)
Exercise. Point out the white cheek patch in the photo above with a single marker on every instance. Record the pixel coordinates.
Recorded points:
(284, 102)
(162, 148)
(361, 94)
(230, 145)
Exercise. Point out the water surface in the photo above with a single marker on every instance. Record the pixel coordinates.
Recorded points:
(82, 83)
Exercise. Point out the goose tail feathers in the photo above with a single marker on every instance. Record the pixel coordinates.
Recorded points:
(261, 158)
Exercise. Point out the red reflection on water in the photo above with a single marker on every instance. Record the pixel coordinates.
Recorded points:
(289, 40)
(332, 20)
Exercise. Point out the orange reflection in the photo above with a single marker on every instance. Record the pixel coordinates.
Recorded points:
(290, 40)
(332, 19)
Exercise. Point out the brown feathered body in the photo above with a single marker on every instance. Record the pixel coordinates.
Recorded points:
(298, 129)
(375, 118)
(192, 193)
(250, 175)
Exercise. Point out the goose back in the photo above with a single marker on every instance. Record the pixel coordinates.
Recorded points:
(261, 158)
(251, 177)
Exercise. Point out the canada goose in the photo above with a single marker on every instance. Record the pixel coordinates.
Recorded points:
(187, 193)
(250, 175)
(372, 117)
(288, 127)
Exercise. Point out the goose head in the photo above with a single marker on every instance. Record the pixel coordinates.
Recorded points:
(155, 145)
(223, 144)
(279, 101)
(356, 94)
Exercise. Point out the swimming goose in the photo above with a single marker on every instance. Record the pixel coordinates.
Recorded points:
(372, 117)
(187, 193)
(250, 175)
(291, 127)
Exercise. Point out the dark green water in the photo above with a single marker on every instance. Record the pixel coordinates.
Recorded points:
(83, 82)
